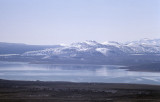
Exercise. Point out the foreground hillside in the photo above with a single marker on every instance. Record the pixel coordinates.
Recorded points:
(37, 91)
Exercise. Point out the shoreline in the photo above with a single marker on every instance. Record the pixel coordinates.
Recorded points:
(46, 81)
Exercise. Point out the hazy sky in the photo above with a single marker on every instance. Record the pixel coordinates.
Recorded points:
(66, 21)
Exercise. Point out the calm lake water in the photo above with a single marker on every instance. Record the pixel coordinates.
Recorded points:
(75, 73)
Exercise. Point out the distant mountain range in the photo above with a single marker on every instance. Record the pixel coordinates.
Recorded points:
(18, 48)
(87, 52)
(144, 46)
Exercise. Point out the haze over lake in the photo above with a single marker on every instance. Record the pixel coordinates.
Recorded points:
(75, 73)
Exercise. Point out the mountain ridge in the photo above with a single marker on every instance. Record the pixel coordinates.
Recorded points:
(134, 47)
(92, 52)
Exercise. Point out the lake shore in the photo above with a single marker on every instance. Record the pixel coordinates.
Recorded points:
(149, 67)
(40, 91)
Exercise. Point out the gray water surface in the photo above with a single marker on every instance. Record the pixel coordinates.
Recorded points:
(75, 73)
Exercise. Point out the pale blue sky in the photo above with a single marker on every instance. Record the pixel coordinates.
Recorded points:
(67, 21)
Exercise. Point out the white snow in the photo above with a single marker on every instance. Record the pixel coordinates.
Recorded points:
(103, 50)
(91, 42)
(113, 43)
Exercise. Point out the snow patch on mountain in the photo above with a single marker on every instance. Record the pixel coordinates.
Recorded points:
(103, 50)
(112, 43)
(91, 42)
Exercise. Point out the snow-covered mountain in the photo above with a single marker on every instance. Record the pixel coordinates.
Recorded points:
(144, 46)
(93, 48)
(87, 48)
(91, 52)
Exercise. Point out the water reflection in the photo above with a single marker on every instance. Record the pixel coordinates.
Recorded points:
(76, 73)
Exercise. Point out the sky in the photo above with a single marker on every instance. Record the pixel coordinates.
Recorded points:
(49, 22)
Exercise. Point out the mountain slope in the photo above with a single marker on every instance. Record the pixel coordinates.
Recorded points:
(16, 48)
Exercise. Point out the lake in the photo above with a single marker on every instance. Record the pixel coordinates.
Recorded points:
(75, 73)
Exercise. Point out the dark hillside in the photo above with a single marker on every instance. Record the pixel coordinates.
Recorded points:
(16, 48)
